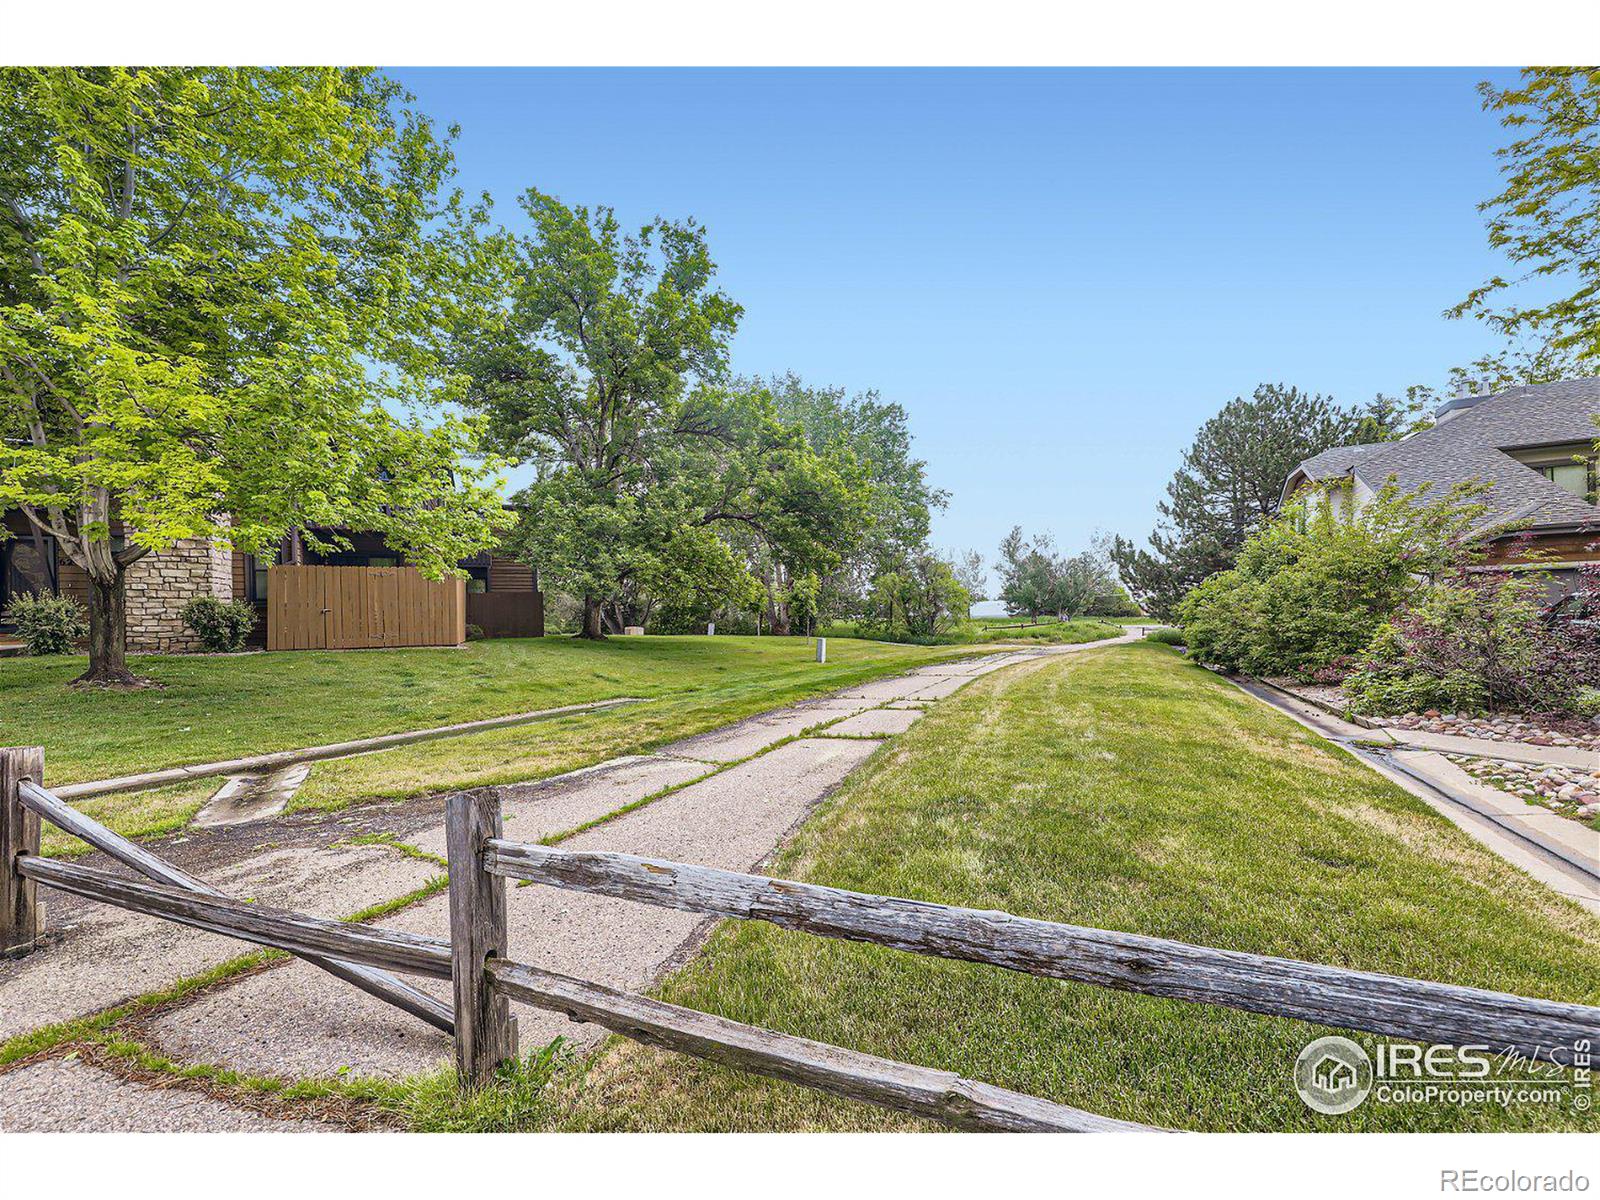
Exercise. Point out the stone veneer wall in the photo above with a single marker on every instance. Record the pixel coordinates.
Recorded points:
(160, 584)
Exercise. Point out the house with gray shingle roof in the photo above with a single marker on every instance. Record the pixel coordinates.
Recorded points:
(1533, 445)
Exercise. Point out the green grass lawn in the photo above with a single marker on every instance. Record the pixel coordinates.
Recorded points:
(212, 708)
(1130, 790)
(1005, 629)
(1084, 629)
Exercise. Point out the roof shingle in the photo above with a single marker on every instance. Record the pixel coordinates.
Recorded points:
(1473, 445)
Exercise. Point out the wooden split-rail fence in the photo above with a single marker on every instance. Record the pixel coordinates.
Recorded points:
(476, 959)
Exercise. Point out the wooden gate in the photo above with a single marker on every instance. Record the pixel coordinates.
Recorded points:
(353, 608)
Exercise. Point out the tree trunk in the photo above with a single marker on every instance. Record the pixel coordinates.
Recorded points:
(777, 615)
(591, 620)
(108, 633)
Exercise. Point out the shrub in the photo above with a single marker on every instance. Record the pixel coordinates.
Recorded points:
(222, 626)
(920, 602)
(1167, 637)
(474, 633)
(1313, 586)
(1474, 642)
(1334, 673)
(48, 624)
(1114, 603)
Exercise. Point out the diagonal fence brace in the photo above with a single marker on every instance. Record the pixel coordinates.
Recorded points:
(369, 979)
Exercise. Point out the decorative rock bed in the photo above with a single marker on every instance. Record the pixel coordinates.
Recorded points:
(1534, 729)
(1570, 791)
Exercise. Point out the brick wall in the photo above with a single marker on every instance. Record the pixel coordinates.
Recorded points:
(160, 584)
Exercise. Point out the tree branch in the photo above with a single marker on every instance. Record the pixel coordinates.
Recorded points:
(24, 226)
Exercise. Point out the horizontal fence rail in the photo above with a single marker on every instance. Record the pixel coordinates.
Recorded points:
(924, 1091)
(477, 959)
(283, 930)
(1385, 1004)
(377, 983)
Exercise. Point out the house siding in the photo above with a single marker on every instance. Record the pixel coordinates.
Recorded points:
(158, 586)
(509, 575)
(1549, 547)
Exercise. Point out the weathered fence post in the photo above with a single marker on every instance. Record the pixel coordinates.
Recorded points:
(822, 650)
(486, 1032)
(21, 913)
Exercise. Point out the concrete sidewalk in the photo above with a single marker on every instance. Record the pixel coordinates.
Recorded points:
(740, 791)
(1525, 752)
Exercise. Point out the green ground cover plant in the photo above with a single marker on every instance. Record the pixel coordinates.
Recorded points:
(47, 624)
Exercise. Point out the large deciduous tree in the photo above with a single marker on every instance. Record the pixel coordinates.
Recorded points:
(657, 479)
(921, 598)
(216, 287)
(875, 435)
(596, 378)
(1035, 579)
(1546, 220)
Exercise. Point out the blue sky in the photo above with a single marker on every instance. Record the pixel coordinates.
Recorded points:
(1060, 274)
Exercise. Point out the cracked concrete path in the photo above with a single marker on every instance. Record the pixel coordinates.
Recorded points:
(299, 1022)
(53, 1096)
(99, 955)
(728, 798)
(252, 797)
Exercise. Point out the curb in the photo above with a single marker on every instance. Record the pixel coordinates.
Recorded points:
(1383, 761)
(288, 758)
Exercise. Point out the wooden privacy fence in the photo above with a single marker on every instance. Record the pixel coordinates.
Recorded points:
(354, 608)
(476, 958)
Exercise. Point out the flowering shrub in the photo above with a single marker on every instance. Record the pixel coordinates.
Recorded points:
(1314, 585)
(1478, 641)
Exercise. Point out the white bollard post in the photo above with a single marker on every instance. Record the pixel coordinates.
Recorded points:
(822, 650)
(711, 629)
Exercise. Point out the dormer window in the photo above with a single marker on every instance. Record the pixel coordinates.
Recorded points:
(1570, 476)
(1571, 466)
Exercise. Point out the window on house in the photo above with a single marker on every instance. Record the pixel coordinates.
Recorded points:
(27, 567)
(1573, 477)
(477, 579)
(259, 579)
